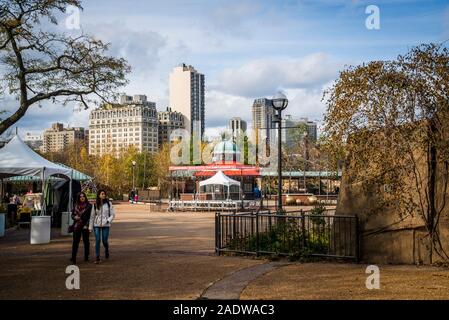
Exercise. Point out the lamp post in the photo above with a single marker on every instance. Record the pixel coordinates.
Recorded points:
(279, 103)
(134, 166)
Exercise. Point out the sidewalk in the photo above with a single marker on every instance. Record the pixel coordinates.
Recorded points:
(153, 256)
(171, 256)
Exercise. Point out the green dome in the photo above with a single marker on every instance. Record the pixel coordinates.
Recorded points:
(226, 147)
(226, 151)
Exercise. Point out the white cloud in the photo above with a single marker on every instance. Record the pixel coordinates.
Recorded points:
(140, 47)
(214, 132)
(221, 107)
(264, 76)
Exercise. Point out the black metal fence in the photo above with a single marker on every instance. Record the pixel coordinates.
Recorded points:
(295, 233)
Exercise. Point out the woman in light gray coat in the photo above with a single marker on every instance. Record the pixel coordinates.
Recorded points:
(100, 221)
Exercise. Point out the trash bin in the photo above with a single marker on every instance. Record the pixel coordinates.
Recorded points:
(2, 224)
(66, 221)
(40, 229)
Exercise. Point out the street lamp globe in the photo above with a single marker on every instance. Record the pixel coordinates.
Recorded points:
(279, 101)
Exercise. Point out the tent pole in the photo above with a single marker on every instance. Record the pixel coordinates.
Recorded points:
(43, 209)
(69, 207)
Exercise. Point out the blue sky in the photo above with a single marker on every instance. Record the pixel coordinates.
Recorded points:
(248, 49)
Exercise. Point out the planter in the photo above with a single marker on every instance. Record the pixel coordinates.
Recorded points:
(313, 200)
(2, 224)
(66, 221)
(40, 229)
(290, 201)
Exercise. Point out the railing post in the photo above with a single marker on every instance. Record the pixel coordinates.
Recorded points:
(234, 225)
(257, 234)
(303, 229)
(357, 240)
(217, 234)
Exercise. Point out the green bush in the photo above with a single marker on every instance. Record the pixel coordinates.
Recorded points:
(284, 237)
(316, 214)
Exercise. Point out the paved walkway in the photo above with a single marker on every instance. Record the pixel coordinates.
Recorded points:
(153, 256)
(171, 256)
(232, 285)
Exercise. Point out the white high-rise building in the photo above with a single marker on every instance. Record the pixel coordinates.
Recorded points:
(133, 122)
(186, 94)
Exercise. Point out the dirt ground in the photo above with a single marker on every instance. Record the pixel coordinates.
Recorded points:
(337, 281)
(171, 256)
(153, 256)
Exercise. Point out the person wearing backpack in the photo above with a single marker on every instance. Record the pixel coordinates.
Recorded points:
(100, 221)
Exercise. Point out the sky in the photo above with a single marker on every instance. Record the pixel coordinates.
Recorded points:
(246, 49)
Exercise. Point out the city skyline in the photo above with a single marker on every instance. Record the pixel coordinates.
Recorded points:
(253, 48)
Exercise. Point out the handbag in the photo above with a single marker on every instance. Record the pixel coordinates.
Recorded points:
(71, 228)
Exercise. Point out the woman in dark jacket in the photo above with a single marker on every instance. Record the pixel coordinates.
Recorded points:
(81, 217)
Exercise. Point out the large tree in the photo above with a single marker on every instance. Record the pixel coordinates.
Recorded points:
(37, 64)
(390, 121)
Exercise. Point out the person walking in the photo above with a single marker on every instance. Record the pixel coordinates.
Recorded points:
(81, 218)
(101, 218)
(132, 194)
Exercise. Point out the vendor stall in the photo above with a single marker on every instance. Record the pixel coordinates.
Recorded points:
(18, 159)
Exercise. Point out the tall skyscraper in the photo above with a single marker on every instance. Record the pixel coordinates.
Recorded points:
(186, 94)
(133, 122)
(263, 113)
(237, 126)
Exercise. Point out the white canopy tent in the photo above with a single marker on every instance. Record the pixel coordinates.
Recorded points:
(220, 179)
(18, 159)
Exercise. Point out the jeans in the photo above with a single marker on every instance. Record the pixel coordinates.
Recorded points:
(76, 241)
(101, 234)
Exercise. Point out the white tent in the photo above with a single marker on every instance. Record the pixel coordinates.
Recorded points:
(18, 159)
(220, 179)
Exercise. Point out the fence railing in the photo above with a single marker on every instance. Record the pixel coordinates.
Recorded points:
(295, 233)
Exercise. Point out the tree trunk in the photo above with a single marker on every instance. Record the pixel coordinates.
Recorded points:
(431, 185)
(10, 121)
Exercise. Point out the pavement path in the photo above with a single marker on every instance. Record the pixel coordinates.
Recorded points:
(171, 256)
(232, 285)
(153, 256)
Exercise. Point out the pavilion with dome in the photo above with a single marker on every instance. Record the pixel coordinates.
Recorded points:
(190, 182)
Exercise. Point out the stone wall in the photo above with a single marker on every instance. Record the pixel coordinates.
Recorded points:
(385, 236)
